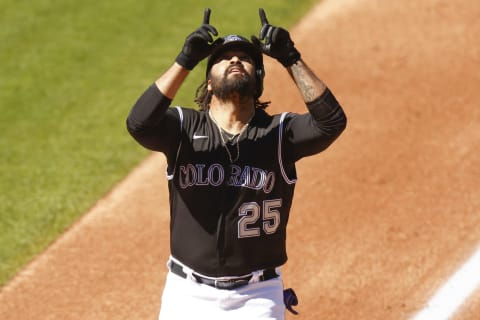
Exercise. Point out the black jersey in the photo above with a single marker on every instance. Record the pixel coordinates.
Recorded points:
(230, 200)
(229, 218)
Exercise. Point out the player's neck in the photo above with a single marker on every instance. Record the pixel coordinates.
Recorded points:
(232, 115)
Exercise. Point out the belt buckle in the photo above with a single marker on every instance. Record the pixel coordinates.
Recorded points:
(231, 283)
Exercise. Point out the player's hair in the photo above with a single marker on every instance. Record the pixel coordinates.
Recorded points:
(203, 98)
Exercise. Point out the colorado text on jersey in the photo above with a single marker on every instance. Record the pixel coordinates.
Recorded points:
(214, 175)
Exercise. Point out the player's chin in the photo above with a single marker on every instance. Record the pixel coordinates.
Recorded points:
(237, 74)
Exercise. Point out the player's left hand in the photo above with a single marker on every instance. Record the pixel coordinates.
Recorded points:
(277, 42)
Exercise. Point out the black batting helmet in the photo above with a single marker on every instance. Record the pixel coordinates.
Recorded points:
(234, 41)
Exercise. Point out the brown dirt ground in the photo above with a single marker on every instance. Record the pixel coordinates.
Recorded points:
(379, 221)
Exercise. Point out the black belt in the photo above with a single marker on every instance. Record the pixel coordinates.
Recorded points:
(222, 284)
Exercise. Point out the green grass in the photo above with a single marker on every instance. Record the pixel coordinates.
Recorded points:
(69, 73)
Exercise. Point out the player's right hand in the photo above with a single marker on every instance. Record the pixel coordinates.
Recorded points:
(198, 45)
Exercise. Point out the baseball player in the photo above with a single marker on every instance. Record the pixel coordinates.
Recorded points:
(231, 171)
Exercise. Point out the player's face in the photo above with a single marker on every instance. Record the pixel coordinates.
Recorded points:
(232, 72)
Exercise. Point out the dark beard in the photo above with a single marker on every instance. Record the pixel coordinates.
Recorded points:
(223, 89)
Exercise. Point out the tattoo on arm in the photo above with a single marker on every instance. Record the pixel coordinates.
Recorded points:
(310, 86)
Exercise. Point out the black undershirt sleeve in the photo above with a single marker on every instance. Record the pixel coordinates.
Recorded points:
(149, 109)
(313, 132)
(152, 123)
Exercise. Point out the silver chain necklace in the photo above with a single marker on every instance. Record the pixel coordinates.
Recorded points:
(224, 144)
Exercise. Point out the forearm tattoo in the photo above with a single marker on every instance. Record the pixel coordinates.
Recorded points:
(310, 86)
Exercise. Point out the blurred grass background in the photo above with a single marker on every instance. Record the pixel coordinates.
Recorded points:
(69, 73)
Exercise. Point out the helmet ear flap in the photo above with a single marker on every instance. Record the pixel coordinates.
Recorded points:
(259, 75)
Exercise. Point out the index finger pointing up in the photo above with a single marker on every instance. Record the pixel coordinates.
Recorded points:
(263, 16)
(206, 16)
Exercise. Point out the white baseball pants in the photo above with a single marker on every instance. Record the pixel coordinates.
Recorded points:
(188, 299)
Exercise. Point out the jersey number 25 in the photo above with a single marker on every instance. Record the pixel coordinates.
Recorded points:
(251, 212)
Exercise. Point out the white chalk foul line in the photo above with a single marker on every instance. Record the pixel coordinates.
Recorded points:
(454, 292)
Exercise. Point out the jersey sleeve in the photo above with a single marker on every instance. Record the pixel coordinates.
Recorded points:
(153, 124)
(311, 133)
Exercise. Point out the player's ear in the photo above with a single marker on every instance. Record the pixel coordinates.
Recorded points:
(209, 85)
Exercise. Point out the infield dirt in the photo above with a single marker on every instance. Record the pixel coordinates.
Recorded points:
(380, 220)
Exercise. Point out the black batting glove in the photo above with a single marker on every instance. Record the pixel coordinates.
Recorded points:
(290, 299)
(198, 45)
(276, 42)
